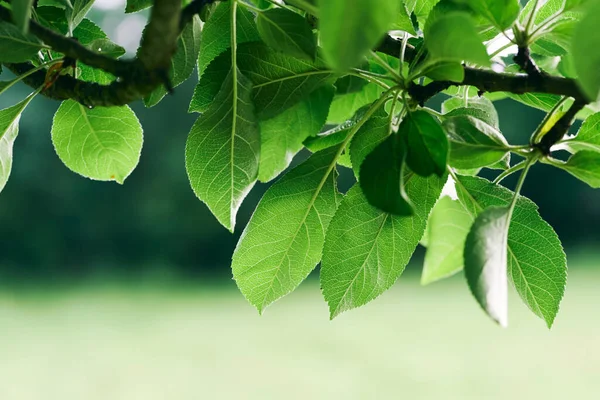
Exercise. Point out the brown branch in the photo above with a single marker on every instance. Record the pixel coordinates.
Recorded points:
(488, 80)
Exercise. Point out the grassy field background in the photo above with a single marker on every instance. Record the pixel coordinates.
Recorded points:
(120, 342)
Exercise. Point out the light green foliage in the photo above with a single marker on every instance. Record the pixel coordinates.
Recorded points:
(478, 107)
(284, 239)
(183, 62)
(216, 34)
(349, 31)
(16, 46)
(366, 249)
(485, 262)
(588, 137)
(288, 32)
(501, 13)
(536, 261)
(100, 143)
(9, 129)
(345, 104)
(222, 150)
(447, 229)
(76, 14)
(282, 136)
(453, 37)
(586, 57)
(21, 12)
(474, 144)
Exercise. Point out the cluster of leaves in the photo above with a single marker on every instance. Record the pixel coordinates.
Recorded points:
(277, 77)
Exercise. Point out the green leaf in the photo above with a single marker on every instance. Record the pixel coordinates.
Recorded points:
(182, 63)
(222, 150)
(100, 143)
(346, 103)
(216, 34)
(366, 250)
(427, 150)
(588, 136)
(478, 107)
(368, 137)
(348, 32)
(62, 4)
(501, 13)
(585, 166)
(21, 12)
(586, 57)
(9, 129)
(448, 226)
(381, 177)
(446, 71)
(421, 9)
(541, 101)
(475, 144)
(453, 37)
(282, 136)
(403, 20)
(106, 47)
(279, 81)
(485, 255)
(138, 5)
(78, 12)
(536, 261)
(287, 31)
(283, 241)
(16, 46)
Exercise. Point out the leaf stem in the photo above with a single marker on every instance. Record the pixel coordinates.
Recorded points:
(531, 18)
(528, 163)
(510, 171)
(370, 78)
(387, 67)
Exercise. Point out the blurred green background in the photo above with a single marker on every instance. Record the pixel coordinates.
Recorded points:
(124, 292)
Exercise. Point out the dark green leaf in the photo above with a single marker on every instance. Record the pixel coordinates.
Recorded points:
(368, 137)
(446, 71)
(21, 12)
(137, 5)
(76, 14)
(586, 56)
(348, 32)
(222, 150)
(16, 46)
(427, 150)
(485, 255)
(346, 103)
(366, 249)
(381, 177)
(283, 241)
(288, 32)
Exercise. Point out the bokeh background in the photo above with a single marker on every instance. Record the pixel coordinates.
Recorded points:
(125, 292)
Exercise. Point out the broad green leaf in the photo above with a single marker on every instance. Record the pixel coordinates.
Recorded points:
(182, 63)
(101, 143)
(453, 37)
(403, 21)
(282, 136)
(222, 150)
(588, 136)
(106, 47)
(366, 250)
(15, 46)
(62, 4)
(475, 144)
(427, 150)
(585, 166)
(368, 137)
(542, 101)
(349, 31)
(287, 31)
(536, 261)
(349, 84)
(445, 71)
(76, 14)
(21, 12)
(447, 230)
(501, 13)
(216, 34)
(478, 107)
(137, 5)
(421, 9)
(279, 81)
(9, 129)
(283, 241)
(485, 255)
(586, 56)
(381, 177)
(346, 103)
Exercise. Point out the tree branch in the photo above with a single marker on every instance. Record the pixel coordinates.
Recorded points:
(488, 80)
